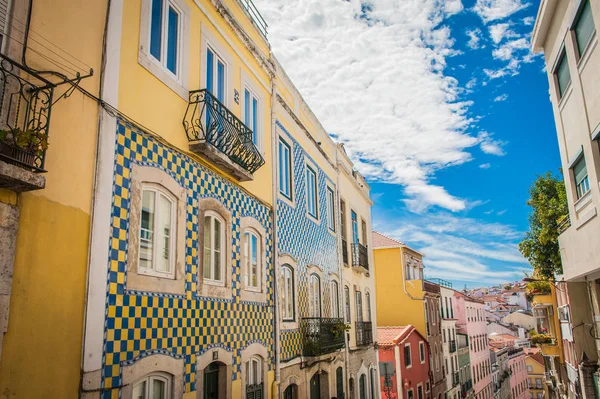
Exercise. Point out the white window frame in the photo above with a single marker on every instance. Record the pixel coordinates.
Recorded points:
(368, 306)
(212, 281)
(562, 55)
(162, 63)
(148, 392)
(311, 170)
(177, 82)
(259, 108)
(582, 187)
(290, 164)
(285, 317)
(258, 361)
(335, 299)
(314, 297)
(330, 195)
(158, 191)
(347, 305)
(249, 233)
(407, 345)
(422, 352)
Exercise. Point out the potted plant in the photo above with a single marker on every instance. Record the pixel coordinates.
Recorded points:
(32, 144)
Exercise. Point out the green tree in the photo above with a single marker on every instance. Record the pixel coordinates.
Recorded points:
(548, 200)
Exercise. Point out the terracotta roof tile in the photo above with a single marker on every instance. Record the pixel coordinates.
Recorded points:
(387, 335)
(381, 241)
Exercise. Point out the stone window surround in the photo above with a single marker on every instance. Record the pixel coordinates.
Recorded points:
(225, 359)
(286, 259)
(334, 277)
(154, 364)
(141, 175)
(316, 270)
(252, 294)
(252, 350)
(207, 289)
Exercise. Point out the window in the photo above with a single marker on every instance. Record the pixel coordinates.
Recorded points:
(315, 295)
(214, 237)
(363, 226)
(215, 75)
(420, 392)
(368, 300)
(529, 369)
(582, 183)
(407, 356)
(285, 169)
(311, 192)
(359, 308)
(157, 233)
(330, 209)
(354, 227)
(422, 351)
(153, 386)
(584, 27)
(254, 371)
(165, 34)
(347, 302)
(288, 293)
(444, 335)
(563, 76)
(343, 218)
(410, 394)
(251, 114)
(252, 260)
(335, 299)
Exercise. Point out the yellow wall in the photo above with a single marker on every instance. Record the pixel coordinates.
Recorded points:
(153, 104)
(42, 348)
(538, 372)
(395, 306)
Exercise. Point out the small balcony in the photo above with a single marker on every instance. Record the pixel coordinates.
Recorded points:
(452, 346)
(26, 100)
(321, 336)
(360, 257)
(364, 333)
(466, 386)
(217, 135)
(345, 251)
(456, 379)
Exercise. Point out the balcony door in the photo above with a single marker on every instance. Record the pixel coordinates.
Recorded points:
(315, 296)
(211, 381)
(215, 75)
(315, 387)
(354, 227)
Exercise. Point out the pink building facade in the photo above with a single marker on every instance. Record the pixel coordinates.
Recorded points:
(518, 377)
(470, 314)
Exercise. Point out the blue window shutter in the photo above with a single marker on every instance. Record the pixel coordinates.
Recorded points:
(220, 81)
(172, 40)
(156, 20)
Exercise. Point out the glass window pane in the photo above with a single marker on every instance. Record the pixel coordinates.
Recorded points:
(147, 229)
(254, 260)
(172, 40)
(579, 170)
(139, 390)
(206, 267)
(220, 81)
(563, 75)
(217, 249)
(164, 230)
(158, 389)
(247, 108)
(247, 258)
(584, 27)
(209, 71)
(156, 20)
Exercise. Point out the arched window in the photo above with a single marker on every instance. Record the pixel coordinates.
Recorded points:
(254, 378)
(156, 385)
(315, 295)
(287, 274)
(347, 303)
(335, 299)
(252, 257)
(214, 244)
(157, 232)
(359, 308)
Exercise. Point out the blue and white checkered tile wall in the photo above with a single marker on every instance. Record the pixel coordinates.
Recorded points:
(308, 242)
(140, 324)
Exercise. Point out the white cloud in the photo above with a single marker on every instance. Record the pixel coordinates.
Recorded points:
(507, 50)
(490, 146)
(499, 32)
(453, 7)
(502, 97)
(492, 10)
(380, 69)
(485, 166)
(528, 20)
(502, 212)
(471, 83)
(474, 38)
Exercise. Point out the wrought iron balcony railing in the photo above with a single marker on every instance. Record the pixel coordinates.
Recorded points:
(256, 17)
(564, 223)
(360, 256)
(255, 391)
(456, 379)
(207, 120)
(466, 386)
(452, 346)
(322, 335)
(25, 105)
(364, 333)
(345, 251)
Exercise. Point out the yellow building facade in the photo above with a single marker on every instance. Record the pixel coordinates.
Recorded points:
(46, 196)
(536, 376)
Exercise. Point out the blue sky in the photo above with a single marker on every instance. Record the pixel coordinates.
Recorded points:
(442, 106)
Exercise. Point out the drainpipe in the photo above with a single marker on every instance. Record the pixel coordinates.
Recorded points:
(275, 388)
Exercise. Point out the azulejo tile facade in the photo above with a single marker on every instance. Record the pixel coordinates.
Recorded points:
(140, 324)
(309, 242)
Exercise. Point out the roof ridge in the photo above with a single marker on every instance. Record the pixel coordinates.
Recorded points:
(388, 237)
